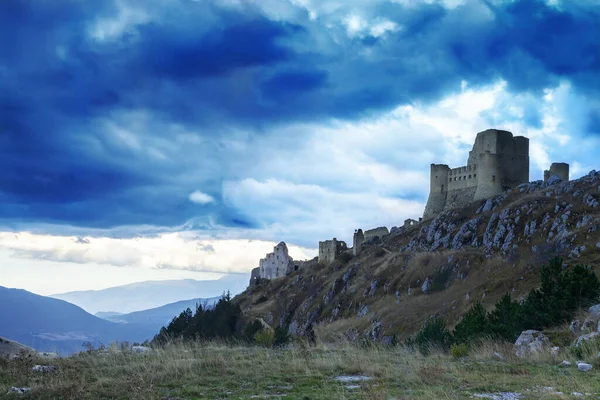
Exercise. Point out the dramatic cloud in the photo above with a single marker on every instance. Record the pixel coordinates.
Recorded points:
(287, 120)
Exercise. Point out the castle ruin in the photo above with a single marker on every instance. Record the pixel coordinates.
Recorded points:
(498, 162)
(561, 170)
(330, 250)
(360, 237)
(275, 264)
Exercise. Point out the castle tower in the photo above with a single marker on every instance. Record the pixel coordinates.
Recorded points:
(357, 242)
(438, 186)
(497, 162)
(559, 169)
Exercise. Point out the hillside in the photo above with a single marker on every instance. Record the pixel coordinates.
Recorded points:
(9, 348)
(150, 294)
(48, 324)
(440, 266)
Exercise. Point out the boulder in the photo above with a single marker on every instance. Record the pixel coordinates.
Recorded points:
(584, 367)
(43, 368)
(530, 342)
(49, 355)
(426, 286)
(575, 325)
(565, 363)
(554, 351)
(586, 337)
(595, 310)
(18, 390)
(141, 349)
(590, 324)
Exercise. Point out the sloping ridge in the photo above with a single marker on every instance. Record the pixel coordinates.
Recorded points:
(161, 316)
(440, 266)
(48, 324)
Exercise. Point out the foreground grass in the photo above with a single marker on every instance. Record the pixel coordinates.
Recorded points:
(216, 371)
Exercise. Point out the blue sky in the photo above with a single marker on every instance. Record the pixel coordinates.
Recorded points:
(184, 138)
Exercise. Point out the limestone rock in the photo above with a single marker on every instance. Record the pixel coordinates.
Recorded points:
(574, 327)
(48, 355)
(498, 356)
(586, 337)
(590, 324)
(554, 351)
(141, 349)
(584, 367)
(565, 363)
(43, 368)
(18, 390)
(530, 342)
(595, 310)
(426, 287)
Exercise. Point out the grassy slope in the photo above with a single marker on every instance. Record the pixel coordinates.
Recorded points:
(382, 275)
(216, 372)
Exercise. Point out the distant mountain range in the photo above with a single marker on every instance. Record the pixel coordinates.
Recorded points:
(159, 316)
(152, 294)
(48, 324)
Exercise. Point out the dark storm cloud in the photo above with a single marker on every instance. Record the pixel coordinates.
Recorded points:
(214, 69)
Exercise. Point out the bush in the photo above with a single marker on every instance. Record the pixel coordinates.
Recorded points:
(459, 350)
(265, 338)
(474, 325)
(506, 321)
(345, 257)
(434, 334)
(252, 329)
(282, 337)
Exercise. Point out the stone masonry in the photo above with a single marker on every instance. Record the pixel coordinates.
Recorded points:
(561, 170)
(330, 250)
(275, 264)
(498, 162)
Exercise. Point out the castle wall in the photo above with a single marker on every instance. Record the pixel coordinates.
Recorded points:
(377, 232)
(357, 242)
(438, 185)
(254, 275)
(559, 169)
(497, 162)
(459, 197)
(329, 250)
(275, 264)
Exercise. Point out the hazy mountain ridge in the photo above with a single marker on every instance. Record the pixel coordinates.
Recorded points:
(146, 295)
(49, 324)
(440, 266)
(161, 316)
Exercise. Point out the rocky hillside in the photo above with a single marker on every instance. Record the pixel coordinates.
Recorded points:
(441, 266)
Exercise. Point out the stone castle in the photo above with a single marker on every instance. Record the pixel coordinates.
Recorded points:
(275, 264)
(497, 162)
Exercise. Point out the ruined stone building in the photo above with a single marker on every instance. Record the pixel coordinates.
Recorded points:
(498, 161)
(330, 250)
(360, 237)
(558, 169)
(275, 264)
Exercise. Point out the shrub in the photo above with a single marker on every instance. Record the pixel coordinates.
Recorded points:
(262, 299)
(345, 257)
(433, 334)
(506, 321)
(265, 338)
(459, 350)
(252, 329)
(472, 326)
(282, 337)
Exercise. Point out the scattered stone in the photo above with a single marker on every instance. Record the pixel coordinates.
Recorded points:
(18, 390)
(595, 310)
(586, 337)
(577, 394)
(499, 396)
(530, 342)
(554, 351)
(43, 368)
(565, 363)
(574, 327)
(352, 378)
(141, 349)
(352, 387)
(590, 324)
(584, 367)
(426, 286)
(49, 355)
(498, 356)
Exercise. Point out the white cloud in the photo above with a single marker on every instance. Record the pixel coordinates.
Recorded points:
(188, 251)
(199, 197)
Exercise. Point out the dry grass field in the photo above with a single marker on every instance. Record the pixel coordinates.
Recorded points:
(218, 371)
